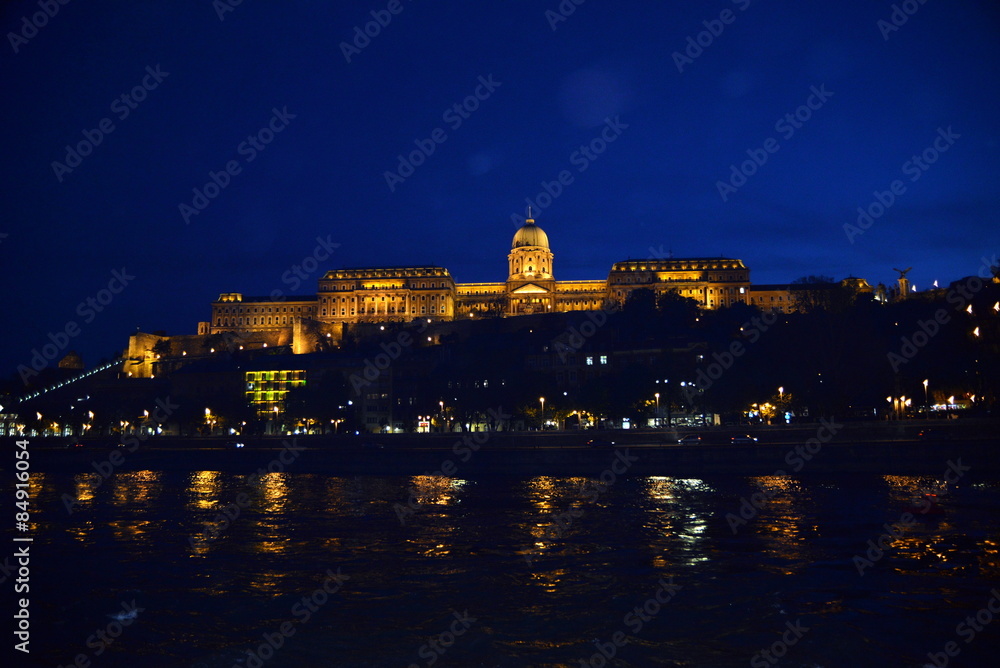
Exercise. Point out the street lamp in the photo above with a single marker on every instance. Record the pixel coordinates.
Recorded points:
(781, 393)
(542, 400)
(657, 395)
(925, 390)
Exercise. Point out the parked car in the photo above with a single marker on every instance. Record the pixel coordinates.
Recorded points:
(743, 438)
(600, 443)
(691, 439)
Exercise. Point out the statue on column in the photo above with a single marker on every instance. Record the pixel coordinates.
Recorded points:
(904, 282)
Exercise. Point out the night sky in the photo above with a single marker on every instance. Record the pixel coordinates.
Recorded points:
(653, 190)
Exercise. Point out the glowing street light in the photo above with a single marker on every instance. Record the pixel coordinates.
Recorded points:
(542, 400)
(781, 393)
(925, 390)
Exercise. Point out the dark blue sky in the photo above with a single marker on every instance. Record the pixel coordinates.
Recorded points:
(655, 187)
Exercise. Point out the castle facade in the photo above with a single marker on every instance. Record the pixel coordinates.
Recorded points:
(400, 294)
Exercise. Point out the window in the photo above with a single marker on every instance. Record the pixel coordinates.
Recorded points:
(590, 361)
(604, 359)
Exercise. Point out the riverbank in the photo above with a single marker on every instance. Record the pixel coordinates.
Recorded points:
(889, 449)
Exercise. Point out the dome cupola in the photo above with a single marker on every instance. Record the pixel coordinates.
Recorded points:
(530, 235)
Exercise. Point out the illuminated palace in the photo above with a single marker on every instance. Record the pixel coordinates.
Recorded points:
(384, 294)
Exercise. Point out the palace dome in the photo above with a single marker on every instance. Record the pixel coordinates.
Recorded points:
(530, 235)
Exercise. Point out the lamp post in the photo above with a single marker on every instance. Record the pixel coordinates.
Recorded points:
(925, 391)
(542, 401)
(657, 395)
(441, 404)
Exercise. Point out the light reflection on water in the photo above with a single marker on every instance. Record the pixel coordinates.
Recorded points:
(463, 546)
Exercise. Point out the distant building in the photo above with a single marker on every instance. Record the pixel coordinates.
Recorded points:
(780, 298)
(773, 297)
(355, 297)
(386, 294)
